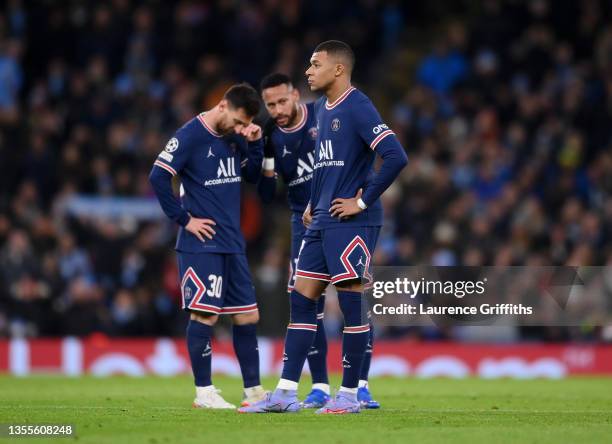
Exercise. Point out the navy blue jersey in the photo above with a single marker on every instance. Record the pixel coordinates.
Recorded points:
(348, 132)
(294, 158)
(210, 168)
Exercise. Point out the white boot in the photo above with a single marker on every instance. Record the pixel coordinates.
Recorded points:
(209, 398)
(252, 395)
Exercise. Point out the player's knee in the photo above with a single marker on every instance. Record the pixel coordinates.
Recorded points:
(350, 285)
(310, 288)
(205, 318)
(246, 318)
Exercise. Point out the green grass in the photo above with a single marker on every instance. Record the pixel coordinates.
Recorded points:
(158, 410)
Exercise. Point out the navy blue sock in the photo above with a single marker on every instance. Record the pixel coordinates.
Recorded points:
(367, 359)
(317, 355)
(301, 332)
(200, 351)
(245, 346)
(355, 337)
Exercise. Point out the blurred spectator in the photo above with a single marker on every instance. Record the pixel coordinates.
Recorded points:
(506, 116)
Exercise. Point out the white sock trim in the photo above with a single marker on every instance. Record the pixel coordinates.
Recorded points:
(348, 390)
(321, 386)
(363, 383)
(285, 384)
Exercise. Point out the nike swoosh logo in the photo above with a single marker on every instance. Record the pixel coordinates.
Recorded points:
(273, 408)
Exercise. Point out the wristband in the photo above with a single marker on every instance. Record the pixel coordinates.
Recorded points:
(268, 163)
(361, 204)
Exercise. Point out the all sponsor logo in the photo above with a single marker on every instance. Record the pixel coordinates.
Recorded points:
(227, 167)
(226, 173)
(326, 150)
(304, 166)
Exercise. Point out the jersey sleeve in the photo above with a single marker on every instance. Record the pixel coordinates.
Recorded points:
(268, 128)
(171, 161)
(176, 153)
(266, 187)
(250, 164)
(370, 126)
(376, 134)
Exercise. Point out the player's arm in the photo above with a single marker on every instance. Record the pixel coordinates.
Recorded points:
(380, 138)
(307, 216)
(394, 160)
(251, 164)
(166, 166)
(266, 187)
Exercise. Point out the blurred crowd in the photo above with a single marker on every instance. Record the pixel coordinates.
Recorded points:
(505, 109)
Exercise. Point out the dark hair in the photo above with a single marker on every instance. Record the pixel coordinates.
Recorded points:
(243, 95)
(275, 79)
(338, 49)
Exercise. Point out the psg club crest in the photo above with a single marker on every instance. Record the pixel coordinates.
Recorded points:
(335, 126)
(312, 132)
(172, 145)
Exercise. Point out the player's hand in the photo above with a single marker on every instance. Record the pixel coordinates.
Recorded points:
(307, 217)
(251, 132)
(344, 208)
(201, 227)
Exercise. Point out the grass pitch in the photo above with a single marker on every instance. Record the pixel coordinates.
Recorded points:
(158, 410)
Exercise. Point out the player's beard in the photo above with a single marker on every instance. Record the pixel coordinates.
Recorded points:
(224, 130)
(290, 118)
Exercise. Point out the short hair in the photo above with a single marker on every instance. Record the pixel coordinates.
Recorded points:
(338, 49)
(275, 79)
(243, 95)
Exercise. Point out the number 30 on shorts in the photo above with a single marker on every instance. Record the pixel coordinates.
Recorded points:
(216, 286)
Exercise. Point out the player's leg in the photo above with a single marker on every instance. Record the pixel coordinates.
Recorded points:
(354, 344)
(317, 355)
(363, 393)
(204, 312)
(244, 337)
(317, 362)
(239, 302)
(348, 259)
(301, 330)
(311, 280)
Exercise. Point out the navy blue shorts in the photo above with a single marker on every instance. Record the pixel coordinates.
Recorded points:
(297, 235)
(337, 254)
(216, 283)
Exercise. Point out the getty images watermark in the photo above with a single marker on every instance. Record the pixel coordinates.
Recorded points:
(547, 296)
(423, 287)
